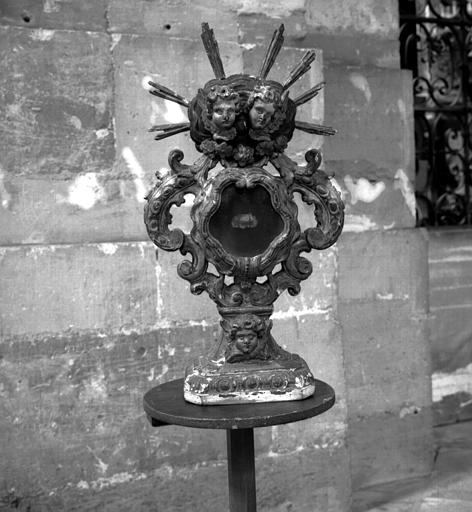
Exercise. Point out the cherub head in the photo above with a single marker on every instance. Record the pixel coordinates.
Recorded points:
(246, 333)
(222, 107)
(262, 103)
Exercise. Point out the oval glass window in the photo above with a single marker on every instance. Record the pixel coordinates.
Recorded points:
(245, 223)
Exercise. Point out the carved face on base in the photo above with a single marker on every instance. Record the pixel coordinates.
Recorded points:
(245, 341)
(261, 114)
(246, 337)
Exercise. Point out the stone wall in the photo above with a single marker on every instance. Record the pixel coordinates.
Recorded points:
(90, 319)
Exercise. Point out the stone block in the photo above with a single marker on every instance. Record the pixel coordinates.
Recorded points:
(368, 17)
(88, 208)
(450, 269)
(59, 148)
(372, 155)
(57, 89)
(181, 18)
(284, 482)
(83, 15)
(318, 292)
(371, 108)
(56, 288)
(95, 286)
(350, 45)
(450, 323)
(176, 303)
(316, 338)
(387, 360)
(386, 447)
(384, 266)
(387, 372)
(382, 310)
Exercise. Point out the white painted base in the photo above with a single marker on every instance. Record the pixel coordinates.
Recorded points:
(241, 398)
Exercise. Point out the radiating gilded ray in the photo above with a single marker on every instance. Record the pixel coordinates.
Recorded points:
(169, 126)
(308, 95)
(300, 69)
(212, 50)
(169, 133)
(272, 52)
(167, 94)
(169, 129)
(317, 129)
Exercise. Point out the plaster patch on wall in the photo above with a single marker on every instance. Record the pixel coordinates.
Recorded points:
(199, 323)
(107, 248)
(137, 171)
(115, 39)
(270, 8)
(451, 259)
(445, 384)
(5, 196)
(291, 312)
(153, 377)
(360, 82)
(104, 482)
(402, 183)
(102, 133)
(402, 108)
(145, 83)
(159, 301)
(100, 465)
(174, 112)
(155, 113)
(95, 388)
(363, 190)
(358, 223)
(75, 122)
(42, 34)
(411, 409)
(50, 6)
(84, 192)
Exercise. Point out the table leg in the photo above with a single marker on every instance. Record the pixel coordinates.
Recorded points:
(241, 470)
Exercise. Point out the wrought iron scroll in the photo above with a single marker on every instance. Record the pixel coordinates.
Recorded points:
(436, 44)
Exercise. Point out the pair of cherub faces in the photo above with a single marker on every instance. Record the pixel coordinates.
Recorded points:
(225, 110)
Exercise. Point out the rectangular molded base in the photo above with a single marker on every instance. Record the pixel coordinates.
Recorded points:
(215, 383)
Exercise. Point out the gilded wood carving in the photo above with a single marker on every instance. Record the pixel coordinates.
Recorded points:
(244, 222)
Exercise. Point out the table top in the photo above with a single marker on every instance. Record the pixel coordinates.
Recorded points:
(165, 405)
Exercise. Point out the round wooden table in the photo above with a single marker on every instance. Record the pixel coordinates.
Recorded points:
(165, 405)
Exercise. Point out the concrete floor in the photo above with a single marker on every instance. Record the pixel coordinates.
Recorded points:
(448, 489)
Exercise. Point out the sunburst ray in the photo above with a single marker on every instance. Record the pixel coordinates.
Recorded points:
(167, 94)
(308, 95)
(212, 50)
(317, 129)
(300, 69)
(272, 52)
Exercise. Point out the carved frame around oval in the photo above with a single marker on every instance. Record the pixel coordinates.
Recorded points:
(278, 249)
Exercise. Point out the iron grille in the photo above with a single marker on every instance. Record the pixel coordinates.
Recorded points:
(436, 44)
